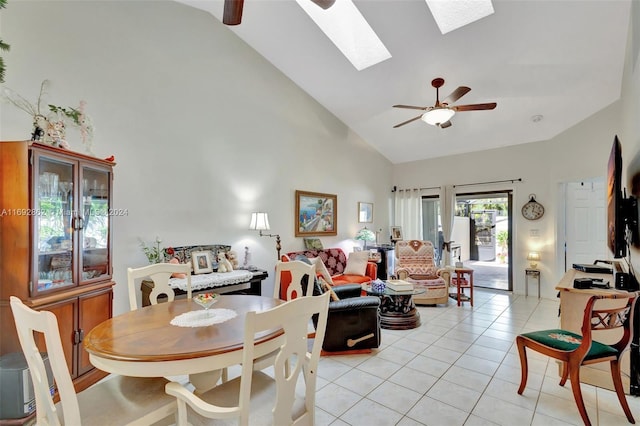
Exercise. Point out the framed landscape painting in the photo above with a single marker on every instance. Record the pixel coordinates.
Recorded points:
(316, 214)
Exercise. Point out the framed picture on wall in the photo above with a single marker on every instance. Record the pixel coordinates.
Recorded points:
(396, 233)
(316, 214)
(201, 261)
(365, 212)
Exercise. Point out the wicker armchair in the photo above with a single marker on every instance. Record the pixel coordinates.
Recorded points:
(414, 263)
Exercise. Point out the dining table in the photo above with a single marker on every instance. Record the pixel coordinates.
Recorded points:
(146, 342)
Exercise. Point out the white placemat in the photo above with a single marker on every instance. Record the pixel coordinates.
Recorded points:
(203, 318)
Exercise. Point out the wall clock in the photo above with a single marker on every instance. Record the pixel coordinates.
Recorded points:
(532, 210)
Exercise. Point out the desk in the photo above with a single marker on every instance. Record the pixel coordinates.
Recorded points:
(572, 304)
(143, 343)
(461, 283)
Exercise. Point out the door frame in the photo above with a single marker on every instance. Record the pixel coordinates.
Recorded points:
(508, 194)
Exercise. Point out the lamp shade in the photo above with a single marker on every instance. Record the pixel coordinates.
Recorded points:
(438, 116)
(366, 235)
(533, 256)
(259, 221)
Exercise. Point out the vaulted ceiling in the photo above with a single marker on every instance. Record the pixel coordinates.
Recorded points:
(560, 60)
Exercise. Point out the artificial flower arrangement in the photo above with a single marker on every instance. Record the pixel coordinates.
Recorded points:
(51, 128)
(154, 254)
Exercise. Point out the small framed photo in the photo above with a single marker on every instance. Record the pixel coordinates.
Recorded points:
(396, 233)
(201, 261)
(365, 212)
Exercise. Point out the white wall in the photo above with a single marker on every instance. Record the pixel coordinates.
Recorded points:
(203, 129)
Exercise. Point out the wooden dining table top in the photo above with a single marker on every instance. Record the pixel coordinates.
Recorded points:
(146, 335)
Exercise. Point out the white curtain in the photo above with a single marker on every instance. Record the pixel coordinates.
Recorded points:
(408, 213)
(447, 212)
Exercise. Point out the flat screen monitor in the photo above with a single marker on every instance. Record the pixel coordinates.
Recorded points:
(615, 203)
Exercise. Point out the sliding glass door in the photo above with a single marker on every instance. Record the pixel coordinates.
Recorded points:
(481, 236)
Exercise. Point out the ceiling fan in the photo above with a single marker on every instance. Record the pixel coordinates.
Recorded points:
(233, 10)
(440, 114)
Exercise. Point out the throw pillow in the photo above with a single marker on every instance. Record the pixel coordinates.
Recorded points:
(176, 274)
(322, 270)
(357, 263)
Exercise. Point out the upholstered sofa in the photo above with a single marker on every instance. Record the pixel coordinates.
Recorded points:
(414, 263)
(335, 261)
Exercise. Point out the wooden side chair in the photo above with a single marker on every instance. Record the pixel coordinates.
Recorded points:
(575, 350)
(255, 396)
(159, 274)
(125, 400)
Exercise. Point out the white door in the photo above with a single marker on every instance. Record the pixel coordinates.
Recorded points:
(585, 219)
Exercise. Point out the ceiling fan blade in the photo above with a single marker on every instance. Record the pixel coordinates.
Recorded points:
(445, 124)
(232, 12)
(457, 94)
(474, 107)
(325, 4)
(408, 121)
(411, 107)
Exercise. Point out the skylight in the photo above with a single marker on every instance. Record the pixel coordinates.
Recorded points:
(349, 31)
(453, 14)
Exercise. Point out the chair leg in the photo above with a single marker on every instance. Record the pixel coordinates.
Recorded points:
(574, 373)
(181, 414)
(565, 373)
(524, 367)
(617, 383)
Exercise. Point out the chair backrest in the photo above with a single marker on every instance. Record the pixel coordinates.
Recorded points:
(607, 318)
(289, 279)
(416, 257)
(27, 321)
(160, 273)
(293, 358)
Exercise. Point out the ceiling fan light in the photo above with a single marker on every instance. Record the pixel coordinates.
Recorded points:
(438, 116)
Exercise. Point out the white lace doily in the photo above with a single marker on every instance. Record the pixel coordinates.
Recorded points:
(203, 318)
(214, 279)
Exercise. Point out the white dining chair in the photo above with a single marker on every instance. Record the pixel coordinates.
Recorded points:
(296, 270)
(255, 397)
(118, 400)
(159, 273)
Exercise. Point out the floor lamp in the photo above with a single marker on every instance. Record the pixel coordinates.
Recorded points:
(260, 222)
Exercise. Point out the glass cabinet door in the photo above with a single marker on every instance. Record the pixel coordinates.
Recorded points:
(95, 185)
(53, 224)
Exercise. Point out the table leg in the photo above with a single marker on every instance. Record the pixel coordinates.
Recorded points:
(205, 381)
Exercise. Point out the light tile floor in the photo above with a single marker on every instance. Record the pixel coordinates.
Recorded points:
(460, 367)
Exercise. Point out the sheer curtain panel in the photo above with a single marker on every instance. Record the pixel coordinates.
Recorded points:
(408, 213)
